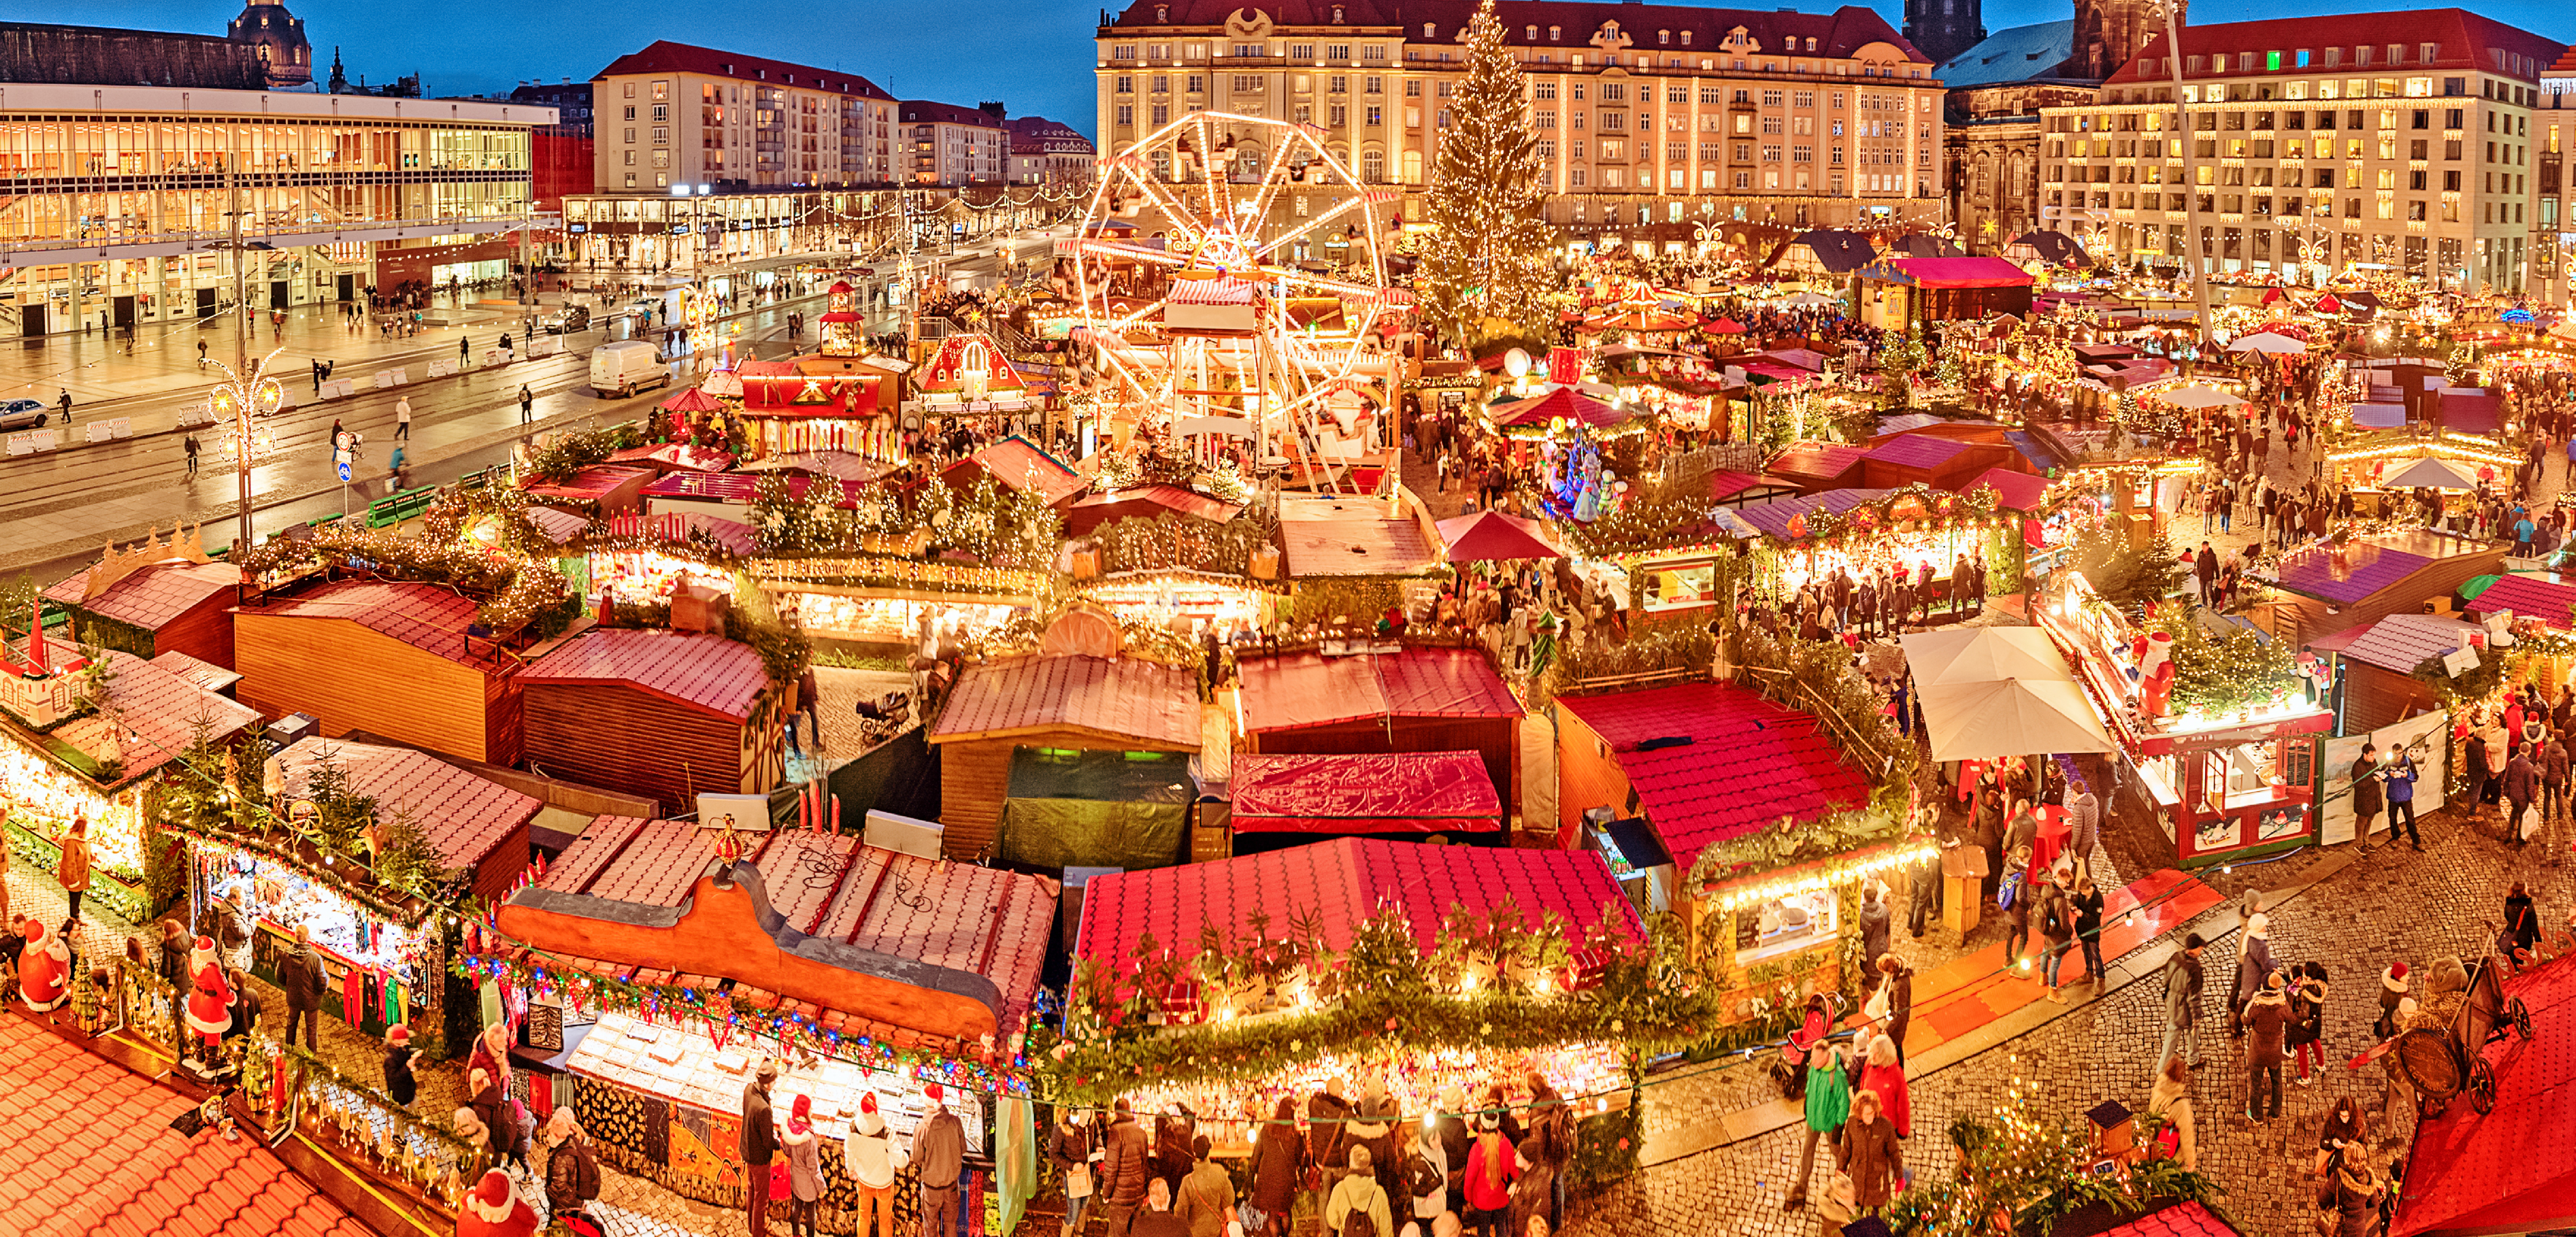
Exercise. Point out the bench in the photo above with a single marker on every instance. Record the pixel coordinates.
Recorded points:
(398, 507)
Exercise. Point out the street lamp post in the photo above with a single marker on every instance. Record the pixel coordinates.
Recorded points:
(246, 394)
(2182, 140)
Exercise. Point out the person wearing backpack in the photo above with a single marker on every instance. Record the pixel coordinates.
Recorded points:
(2183, 982)
(2171, 1100)
(1358, 1206)
(2307, 1028)
(1426, 1175)
(2013, 899)
(2056, 933)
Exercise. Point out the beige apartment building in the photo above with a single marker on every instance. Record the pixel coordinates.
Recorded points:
(1651, 118)
(944, 144)
(2404, 140)
(675, 114)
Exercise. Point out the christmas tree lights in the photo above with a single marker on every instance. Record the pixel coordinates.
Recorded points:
(1484, 271)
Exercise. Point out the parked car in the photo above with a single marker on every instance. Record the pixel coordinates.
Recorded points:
(22, 414)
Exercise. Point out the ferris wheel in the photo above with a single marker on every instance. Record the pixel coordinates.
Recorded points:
(1232, 277)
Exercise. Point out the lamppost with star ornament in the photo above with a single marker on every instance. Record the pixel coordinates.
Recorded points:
(243, 399)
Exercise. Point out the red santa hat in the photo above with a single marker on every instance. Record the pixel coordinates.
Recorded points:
(930, 1091)
(868, 1102)
(202, 955)
(398, 1034)
(492, 1210)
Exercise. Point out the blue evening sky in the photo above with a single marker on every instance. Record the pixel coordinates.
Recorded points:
(1034, 55)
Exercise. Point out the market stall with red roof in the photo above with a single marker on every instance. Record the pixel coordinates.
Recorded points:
(1330, 895)
(607, 488)
(1415, 699)
(1702, 765)
(679, 957)
(1906, 293)
(159, 597)
(1110, 732)
(402, 659)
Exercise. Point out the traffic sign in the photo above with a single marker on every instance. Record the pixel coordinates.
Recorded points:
(344, 470)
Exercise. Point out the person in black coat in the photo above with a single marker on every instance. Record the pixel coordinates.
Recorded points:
(399, 1082)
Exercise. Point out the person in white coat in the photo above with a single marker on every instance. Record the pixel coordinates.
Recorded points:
(872, 1157)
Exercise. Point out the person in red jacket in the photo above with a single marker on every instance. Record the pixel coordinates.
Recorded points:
(1492, 1166)
(1886, 1077)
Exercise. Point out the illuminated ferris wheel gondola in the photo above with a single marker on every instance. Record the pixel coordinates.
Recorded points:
(1231, 274)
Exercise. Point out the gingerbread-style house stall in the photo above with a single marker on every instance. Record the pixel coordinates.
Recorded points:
(970, 374)
(662, 714)
(662, 973)
(395, 659)
(157, 597)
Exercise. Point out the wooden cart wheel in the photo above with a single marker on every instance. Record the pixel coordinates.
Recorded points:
(2521, 1015)
(2482, 1087)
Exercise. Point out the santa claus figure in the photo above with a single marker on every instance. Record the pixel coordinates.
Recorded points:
(210, 1001)
(44, 968)
(492, 1210)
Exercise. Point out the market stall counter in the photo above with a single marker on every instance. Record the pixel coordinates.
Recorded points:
(657, 974)
(2223, 785)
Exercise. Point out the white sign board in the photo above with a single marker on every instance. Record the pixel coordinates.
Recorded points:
(733, 811)
(388, 378)
(442, 369)
(2458, 662)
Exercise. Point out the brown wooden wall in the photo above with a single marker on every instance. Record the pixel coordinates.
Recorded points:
(620, 738)
(2373, 697)
(1497, 739)
(975, 779)
(204, 631)
(2407, 596)
(351, 678)
(1587, 776)
(493, 876)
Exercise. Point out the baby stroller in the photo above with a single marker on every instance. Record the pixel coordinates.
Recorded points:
(1790, 1070)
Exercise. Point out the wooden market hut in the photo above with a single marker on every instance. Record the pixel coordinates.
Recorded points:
(614, 489)
(1415, 700)
(2368, 578)
(1015, 463)
(1813, 466)
(661, 714)
(1060, 703)
(2378, 662)
(474, 823)
(861, 969)
(1929, 459)
(159, 597)
(1144, 502)
(1700, 763)
(2545, 596)
(392, 659)
(1898, 293)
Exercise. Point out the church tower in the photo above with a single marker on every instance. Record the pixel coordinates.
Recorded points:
(1942, 29)
(279, 36)
(2109, 33)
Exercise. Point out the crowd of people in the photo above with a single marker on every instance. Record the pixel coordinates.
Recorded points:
(1352, 1159)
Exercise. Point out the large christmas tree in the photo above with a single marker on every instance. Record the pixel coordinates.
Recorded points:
(1484, 269)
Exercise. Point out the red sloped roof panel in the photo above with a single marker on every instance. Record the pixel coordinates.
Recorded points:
(1339, 884)
(2513, 1169)
(707, 672)
(1370, 793)
(1748, 761)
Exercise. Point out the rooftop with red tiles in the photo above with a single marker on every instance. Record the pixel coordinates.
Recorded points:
(161, 707)
(708, 673)
(86, 1149)
(465, 817)
(151, 596)
(1310, 689)
(1747, 764)
(424, 616)
(1341, 883)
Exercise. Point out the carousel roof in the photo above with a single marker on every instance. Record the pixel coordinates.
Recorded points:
(2511, 1169)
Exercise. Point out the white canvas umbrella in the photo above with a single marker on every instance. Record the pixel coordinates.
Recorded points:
(2198, 397)
(1961, 655)
(2011, 717)
(2433, 474)
(2266, 341)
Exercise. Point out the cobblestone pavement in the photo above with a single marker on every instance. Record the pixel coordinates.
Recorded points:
(2389, 905)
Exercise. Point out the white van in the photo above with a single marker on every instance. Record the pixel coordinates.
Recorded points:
(625, 367)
